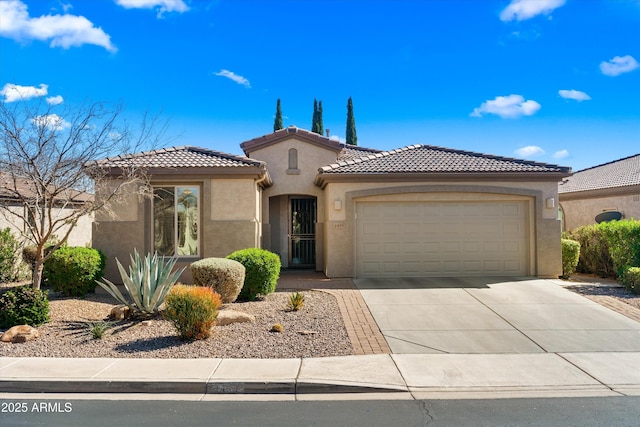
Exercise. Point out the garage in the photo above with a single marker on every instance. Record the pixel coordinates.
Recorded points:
(439, 239)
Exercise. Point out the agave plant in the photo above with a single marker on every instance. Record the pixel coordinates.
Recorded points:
(147, 283)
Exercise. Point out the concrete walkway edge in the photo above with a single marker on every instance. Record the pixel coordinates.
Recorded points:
(420, 375)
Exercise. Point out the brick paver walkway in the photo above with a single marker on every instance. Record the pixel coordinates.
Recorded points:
(615, 305)
(363, 331)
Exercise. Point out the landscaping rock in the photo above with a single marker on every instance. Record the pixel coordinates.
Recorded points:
(227, 317)
(20, 334)
(120, 312)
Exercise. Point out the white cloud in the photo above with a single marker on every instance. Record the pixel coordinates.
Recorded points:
(51, 121)
(562, 154)
(337, 138)
(619, 65)
(12, 92)
(507, 107)
(530, 151)
(521, 10)
(574, 94)
(62, 30)
(162, 6)
(55, 100)
(233, 76)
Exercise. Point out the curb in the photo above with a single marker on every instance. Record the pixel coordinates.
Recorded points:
(189, 387)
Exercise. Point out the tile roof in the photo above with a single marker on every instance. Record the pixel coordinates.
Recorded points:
(180, 157)
(282, 134)
(431, 159)
(619, 173)
(354, 152)
(21, 189)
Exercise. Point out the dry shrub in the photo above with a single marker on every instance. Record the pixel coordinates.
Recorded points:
(192, 310)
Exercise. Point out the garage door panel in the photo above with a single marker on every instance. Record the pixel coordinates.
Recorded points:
(492, 266)
(511, 209)
(448, 238)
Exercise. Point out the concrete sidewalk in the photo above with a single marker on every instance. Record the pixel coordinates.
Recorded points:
(417, 376)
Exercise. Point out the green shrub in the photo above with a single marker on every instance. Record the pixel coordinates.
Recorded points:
(192, 310)
(570, 257)
(262, 271)
(23, 306)
(225, 276)
(9, 254)
(623, 239)
(594, 251)
(148, 283)
(74, 270)
(631, 279)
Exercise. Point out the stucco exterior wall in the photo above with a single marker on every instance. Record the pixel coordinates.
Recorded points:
(340, 200)
(81, 234)
(579, 212)
(12, 222)
(229, 221)
(297, 182)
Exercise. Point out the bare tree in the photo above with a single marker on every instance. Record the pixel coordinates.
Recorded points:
(48, 166)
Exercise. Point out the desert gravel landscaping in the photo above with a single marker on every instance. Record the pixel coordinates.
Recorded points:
(317, 330)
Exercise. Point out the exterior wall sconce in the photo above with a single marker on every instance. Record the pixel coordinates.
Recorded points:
(551, 203)
(337, 205)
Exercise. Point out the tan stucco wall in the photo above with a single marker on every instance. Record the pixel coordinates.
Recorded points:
(583, 211)
(8, 220)
(544, 227)
(229, 221)
(289, 182)
(80, 235)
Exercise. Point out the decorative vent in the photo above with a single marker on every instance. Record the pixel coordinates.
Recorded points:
(636, 198)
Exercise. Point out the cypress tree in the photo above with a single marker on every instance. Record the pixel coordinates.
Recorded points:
(319, 123)
(352, 138)
(314, 120)
(277, 123)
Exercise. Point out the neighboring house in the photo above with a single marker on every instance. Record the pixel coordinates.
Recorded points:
(613, 186)
(12, 194)
(346, 211)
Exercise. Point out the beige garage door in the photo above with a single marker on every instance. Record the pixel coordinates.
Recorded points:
(441, 239)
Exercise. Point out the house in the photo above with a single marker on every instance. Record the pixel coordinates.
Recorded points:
(347, 211)
(16, 194)
(610, 187)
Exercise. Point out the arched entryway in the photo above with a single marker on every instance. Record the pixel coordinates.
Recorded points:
(293, 220)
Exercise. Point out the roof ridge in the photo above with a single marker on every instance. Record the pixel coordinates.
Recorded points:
(292, 129)
(222, 154)
(608, 163)
(493, 156)
(367, 157)
(181, 148)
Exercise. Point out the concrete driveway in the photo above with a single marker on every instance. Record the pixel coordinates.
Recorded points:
(493, 315)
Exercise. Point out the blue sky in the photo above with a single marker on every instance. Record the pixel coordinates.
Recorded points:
(554, 81)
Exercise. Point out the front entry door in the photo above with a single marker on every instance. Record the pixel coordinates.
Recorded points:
(302, 232)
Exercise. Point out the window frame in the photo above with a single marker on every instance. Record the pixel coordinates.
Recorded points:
(176, 187)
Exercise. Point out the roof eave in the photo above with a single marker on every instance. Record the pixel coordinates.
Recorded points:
(115, 172)
(324, 178)
(600, 192)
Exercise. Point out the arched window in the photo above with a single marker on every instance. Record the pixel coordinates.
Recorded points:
(293, 162)
(293, 158)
